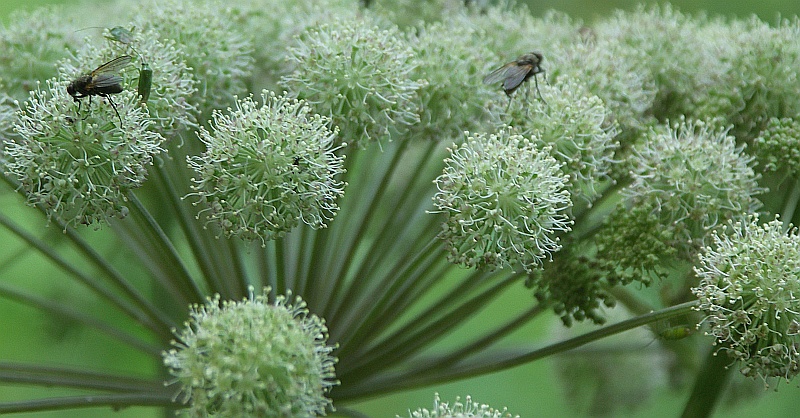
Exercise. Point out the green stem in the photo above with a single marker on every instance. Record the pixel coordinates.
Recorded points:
(58, 310)
(197, 237)
(174, 275)
(396, 290)
(33, 374)
(237, 280)
(413, 338)
(491, 338)
(115, 401)
(709, 386)
(355, 236)
(423, 373)
(790, 204)
(90, 281)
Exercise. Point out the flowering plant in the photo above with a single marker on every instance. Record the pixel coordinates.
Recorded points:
(295, 206)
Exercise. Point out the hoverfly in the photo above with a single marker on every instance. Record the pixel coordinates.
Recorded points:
(517, 72)
(102, 81)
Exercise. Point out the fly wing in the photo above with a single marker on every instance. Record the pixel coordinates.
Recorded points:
(515, 76)
(498, 74)
(112, 66)
(104, 80)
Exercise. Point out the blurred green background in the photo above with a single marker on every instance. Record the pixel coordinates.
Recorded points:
(531, 390)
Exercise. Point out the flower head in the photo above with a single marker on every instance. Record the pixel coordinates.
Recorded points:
(170, 106)
(761, 79)
(453, 100)
(749, 291)
(576, 123)
(79, 165)
(693, 176)
(665, 45)
(209, 43)
(778, 145)
(268, 167)
(504, 200)
(611, 71)
(32, 43)
(469, 409)
(357, 74)
(253, 358)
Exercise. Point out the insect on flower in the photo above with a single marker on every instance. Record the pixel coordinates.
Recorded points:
(102, 81)
(120, 34)
(125, 37)
(517, 72)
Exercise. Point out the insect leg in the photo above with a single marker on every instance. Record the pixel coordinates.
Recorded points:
(114, 107)
(538, 93)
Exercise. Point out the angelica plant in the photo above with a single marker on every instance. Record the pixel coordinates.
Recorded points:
(318, 201)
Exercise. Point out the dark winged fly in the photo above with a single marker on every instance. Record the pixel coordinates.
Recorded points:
(516, 72)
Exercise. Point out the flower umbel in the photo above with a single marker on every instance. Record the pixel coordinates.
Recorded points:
(219, 55)
(576, 123)
(79, 166)
(253, 358)
(268, 167)
(694, 176)
(749, 291)
(504, 200)
(358, 75)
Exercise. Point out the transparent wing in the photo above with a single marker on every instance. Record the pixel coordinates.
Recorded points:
(112, 66)
(515, 76)
(498, 74)
(104, 80)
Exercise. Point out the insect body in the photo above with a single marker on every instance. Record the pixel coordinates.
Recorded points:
(120, 34)
(103, 82)
(676, 332)
(125, 37)
(145, 81)
(517, 72)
